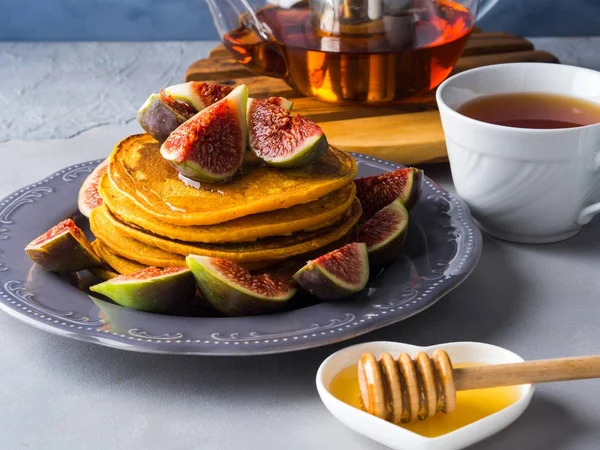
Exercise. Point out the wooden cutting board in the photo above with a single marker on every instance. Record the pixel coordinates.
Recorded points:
(409, 133)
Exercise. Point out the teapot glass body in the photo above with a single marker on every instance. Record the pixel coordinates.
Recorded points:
(348, 51)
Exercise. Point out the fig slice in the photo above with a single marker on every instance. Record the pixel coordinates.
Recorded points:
(378, 191)
(280, 139)
(151, 289)
(88, 197)
(234, 291)
(198, 94)
(63, 248)
(336, 274)
(385, 233)
(277, 101)
(161, 114)
(211, 145)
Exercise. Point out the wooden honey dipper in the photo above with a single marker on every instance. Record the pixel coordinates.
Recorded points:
(402, 390)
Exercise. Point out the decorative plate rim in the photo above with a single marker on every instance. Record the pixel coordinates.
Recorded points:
(19, 303)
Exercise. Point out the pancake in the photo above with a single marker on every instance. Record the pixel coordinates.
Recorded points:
(143, 255)
(307, 217)
(127, 241)
(137, 170)
(129, 248)
(118, 263)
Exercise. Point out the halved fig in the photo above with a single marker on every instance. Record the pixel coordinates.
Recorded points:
(211, 145)
(88, 197)
(235, 291)
(377, 191)
(385, 233)
(336, 274)
(280, 139)
(161, 114)
(152, 289)
(198, 94)
(63, 248)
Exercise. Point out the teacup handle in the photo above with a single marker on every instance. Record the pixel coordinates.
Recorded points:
(588, 213)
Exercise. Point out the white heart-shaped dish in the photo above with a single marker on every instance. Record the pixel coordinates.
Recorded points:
(399, 438)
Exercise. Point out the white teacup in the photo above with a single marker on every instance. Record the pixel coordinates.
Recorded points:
(523, 185)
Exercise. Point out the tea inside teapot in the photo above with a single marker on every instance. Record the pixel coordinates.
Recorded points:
(368, 51)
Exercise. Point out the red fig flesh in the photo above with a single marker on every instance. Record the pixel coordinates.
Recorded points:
(211, 145)
(378, 191)
(280, 139)
(88, 197)
(337, 274)
(385, 233)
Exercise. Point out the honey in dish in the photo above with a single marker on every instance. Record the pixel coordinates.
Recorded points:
(470, 405)
(532, 110)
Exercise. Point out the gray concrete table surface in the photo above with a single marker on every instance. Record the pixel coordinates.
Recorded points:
(65, 103)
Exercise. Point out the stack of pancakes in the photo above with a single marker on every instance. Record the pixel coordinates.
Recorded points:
(151, 216)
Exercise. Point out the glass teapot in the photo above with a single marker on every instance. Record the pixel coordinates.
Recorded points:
(348, 51)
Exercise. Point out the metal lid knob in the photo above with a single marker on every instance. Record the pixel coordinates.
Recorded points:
(347, 16)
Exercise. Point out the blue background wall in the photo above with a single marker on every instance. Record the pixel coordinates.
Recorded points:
(72, 20)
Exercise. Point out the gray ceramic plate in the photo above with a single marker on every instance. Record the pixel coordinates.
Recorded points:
(442, 248)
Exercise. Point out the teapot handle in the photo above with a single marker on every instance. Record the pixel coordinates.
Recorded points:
(226, 14)
(260, 28)
(484, 7)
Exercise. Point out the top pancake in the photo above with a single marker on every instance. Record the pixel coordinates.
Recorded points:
(137, 170)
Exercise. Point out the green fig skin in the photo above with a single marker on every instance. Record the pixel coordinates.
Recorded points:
(195, 172)
(321, 283)
(63, 248)
(384, 248)
(310, 152)
(416, 190)
(388, 254)
(285, 103)
(227, 297)
(158, 117)
(192, 147)
(150, 293)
